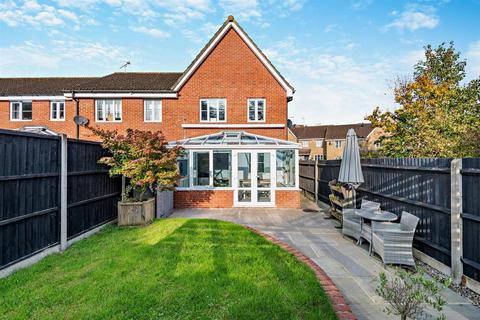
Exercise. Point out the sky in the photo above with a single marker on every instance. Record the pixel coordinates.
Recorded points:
(341, 56)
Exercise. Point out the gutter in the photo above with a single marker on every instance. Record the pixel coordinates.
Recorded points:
(77, 113)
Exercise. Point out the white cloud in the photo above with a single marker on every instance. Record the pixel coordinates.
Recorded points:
(151, 32)
(350, 46)
(333, 88)
(411, 58)
(31, 13)
(473, 60)
(360, 4)
(414, 18)
(244, 10)
(256, 11)
(329, 28)
(32, 58)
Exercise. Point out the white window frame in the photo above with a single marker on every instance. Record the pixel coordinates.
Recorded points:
(56, 104)
(256, 100)
(305, 143)
(338, 144)
(319, 143)
(211, 100)
(153, 110)
(103, 112)
(20, 111)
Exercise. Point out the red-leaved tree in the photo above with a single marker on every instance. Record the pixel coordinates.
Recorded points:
(141, 156)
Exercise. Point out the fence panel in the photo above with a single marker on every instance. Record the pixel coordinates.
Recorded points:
(471, 217)
(307, 175)
(29, 195)
(92, 194)
(328, 170)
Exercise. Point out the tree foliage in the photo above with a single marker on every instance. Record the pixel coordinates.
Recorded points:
(439, 116)
(141, 156)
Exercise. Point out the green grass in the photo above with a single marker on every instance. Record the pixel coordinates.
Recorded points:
(172, 269)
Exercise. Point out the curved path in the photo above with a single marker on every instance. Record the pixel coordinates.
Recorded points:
(350, 267)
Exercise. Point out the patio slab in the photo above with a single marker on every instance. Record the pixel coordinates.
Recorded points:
(349, 266)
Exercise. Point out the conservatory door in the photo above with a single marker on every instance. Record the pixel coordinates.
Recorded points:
(253, 178)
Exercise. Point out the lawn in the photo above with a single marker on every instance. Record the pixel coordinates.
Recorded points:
(172, 269)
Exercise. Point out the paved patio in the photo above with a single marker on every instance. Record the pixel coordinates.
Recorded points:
(349, 266)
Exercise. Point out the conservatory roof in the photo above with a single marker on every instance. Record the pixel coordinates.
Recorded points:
(234, 139)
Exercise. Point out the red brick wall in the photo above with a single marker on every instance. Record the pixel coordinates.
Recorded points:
(231, 71)
(40, 117)
(203, 199)
(287, 199)
(224, 199)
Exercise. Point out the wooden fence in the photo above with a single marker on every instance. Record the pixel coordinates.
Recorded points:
(421, 187)
(42, 177)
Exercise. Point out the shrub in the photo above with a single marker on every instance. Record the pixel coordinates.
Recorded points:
(141, 156)
(408, 293)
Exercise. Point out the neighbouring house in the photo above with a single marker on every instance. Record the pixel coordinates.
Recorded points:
(228, 110)
(326, 142)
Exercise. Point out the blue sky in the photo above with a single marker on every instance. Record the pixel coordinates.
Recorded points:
(341, 56)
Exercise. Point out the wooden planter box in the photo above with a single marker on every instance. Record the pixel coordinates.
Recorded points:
(136, 213)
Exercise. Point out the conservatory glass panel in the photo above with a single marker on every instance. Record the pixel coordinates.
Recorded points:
(285, 168)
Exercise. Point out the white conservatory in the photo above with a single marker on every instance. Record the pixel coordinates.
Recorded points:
(254, 168)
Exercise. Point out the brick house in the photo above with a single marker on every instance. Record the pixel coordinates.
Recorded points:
(327, 142)
(228, 110)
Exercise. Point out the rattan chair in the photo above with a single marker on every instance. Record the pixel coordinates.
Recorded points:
(393, 241)
(351, 222)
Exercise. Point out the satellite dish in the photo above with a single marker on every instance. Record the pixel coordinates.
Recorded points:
(81, 121)
(289, 123)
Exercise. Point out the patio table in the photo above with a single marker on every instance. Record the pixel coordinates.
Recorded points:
(378, 215)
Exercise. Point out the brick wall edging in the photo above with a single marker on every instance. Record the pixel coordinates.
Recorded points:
(342, 309)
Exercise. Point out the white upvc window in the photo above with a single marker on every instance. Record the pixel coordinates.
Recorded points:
(108, 110)
(21, 111)
(213, 110)
(338, 144)
(153, 111)
(57, 111)
(305, 143)
(319, 143)
(256, 110)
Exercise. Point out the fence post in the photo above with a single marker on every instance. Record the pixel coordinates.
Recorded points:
(63, 192)
(456, 221)
(316, 180)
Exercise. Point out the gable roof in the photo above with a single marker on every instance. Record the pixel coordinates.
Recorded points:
(309, 132)
(329, 132)
(130, 82)
(230, 23)
(340, 131)
(38, 86)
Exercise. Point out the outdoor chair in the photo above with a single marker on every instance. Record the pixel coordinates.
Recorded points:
(393, 241)
(351, 221)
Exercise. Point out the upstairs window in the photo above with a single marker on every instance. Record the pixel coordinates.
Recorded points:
(338, 144)
(108, 110)
(57, 111)
(153, 110)
(319, 143)
(21, 111)
(256, 110)
(305, 143)
(213, 110)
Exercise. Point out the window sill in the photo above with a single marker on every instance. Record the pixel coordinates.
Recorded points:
(20, 120)
(58, 120)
